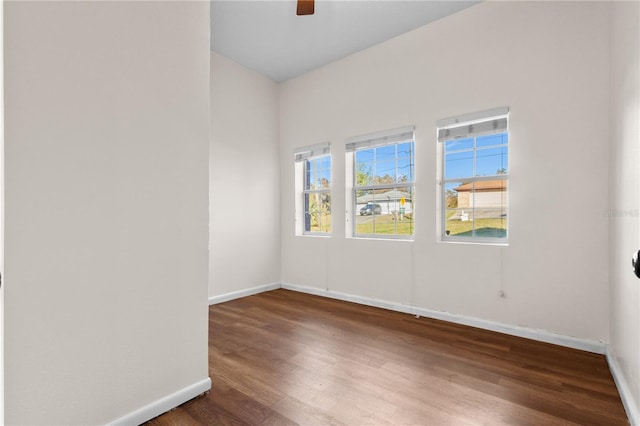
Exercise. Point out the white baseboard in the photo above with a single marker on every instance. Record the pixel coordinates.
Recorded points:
(243, 293)
(165, 404)
(169, 402)
(623, 389)
(529, 333)
(525, 332)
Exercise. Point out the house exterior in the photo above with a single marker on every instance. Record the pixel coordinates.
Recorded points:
(391, 202)
(485, 194)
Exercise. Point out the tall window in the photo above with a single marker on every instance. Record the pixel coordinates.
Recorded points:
(313, 172)
(383, 187)
(475, 175)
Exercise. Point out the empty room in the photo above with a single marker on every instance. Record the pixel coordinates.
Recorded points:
(320, 212)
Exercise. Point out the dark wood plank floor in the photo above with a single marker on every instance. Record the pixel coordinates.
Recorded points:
(284, 358)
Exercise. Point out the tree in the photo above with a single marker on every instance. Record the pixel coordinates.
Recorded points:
(383, 180)
(501, 171)
(451, 199)
(319, 207)
(363, 177)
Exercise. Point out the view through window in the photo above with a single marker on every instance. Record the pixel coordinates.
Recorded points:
(313, 189)
(475, 179)
(317, 194)
(384, 186)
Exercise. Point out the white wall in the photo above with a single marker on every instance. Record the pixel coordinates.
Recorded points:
(244, 179)
(625, 192)
(107, 130)
(549, 63)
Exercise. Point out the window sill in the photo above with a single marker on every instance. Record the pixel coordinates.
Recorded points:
(372, 238)
(476, 242)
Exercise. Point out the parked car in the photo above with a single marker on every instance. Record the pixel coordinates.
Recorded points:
(370, 209)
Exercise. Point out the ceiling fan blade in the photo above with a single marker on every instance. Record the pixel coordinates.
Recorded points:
(305, 7)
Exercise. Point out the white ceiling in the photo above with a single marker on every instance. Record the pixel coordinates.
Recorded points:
(268, 37)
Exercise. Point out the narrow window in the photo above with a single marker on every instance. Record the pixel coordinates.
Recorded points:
(313, 190)
(382, 198)
(475, 176)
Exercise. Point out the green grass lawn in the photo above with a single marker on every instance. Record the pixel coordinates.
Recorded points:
(489, 227)
(385, 224)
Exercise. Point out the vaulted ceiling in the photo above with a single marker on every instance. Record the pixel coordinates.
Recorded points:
(268, 37)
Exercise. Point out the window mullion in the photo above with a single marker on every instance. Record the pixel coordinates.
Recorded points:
(317, 191)
(483, 197)
(315, 167)
(366, 222)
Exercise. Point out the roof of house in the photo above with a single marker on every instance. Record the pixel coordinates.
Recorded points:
(393, 195)
(483, 186)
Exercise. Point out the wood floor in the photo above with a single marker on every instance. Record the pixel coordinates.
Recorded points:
(284, 358)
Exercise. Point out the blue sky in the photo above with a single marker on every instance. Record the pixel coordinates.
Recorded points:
(491, 156)
(320, 168)
(381, 161)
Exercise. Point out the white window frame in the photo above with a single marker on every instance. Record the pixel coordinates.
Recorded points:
(494, 121)
(376, 140)
(302, 157)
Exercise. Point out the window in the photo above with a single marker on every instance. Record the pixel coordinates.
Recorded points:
(313, 202)
(383, 184)
(475, 175)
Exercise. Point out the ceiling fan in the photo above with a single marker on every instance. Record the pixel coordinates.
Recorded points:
(305, 7)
